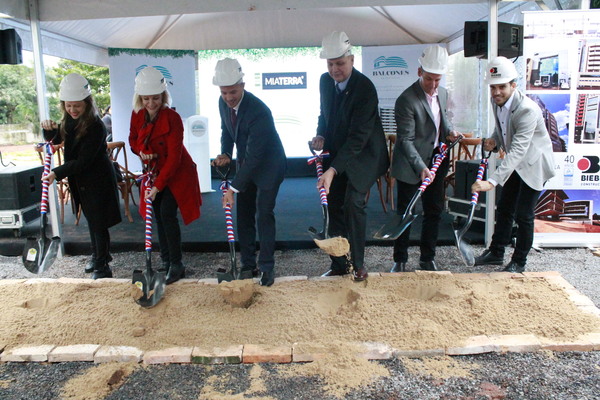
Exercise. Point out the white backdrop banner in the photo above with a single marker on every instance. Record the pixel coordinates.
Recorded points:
(178, 67)
(391, 69)
(561, 76)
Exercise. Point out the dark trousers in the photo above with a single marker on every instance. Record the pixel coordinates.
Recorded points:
(100, 243)
(255, 208)
(517, 204)
(347, 218)
(169, 233)
(433, 205)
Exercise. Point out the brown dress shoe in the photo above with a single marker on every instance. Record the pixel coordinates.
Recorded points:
(335, 272)
(360, 274)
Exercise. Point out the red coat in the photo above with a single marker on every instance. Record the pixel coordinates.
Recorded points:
(174, 167)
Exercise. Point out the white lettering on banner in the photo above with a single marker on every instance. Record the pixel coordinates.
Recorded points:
(285, 80)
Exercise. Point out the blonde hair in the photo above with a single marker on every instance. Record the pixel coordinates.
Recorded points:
(138, 104)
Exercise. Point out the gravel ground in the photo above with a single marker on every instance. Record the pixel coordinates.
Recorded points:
(542, 375)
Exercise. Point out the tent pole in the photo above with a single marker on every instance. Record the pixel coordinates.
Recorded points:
(40, 81)
(492, 45)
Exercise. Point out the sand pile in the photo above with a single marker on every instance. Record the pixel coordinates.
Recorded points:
(405, 311)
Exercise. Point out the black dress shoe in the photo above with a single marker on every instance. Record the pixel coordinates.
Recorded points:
(514, 267)
(360, 274)
(249, 273)
(335, 272)
(399, 267)
(267, 278)
(101, 273)
(428, 265)
(90, 266)
(489, 258)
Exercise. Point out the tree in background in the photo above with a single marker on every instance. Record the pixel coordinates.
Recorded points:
(17, 95)
(96, 76)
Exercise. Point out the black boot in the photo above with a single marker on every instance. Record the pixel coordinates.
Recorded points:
(93, 263)
(166, 266)
(176, 272)
(103, 272)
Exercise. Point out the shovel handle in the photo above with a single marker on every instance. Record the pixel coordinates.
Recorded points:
(49, 150)
(228, 216)
(444, 149)
(148, 219)
(318, 161)
(480, 172)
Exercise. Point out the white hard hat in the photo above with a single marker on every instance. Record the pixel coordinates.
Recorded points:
(500, 70)
(434, 60)
(227, 72)
(74, 87)
(335, 45)
(150, 81)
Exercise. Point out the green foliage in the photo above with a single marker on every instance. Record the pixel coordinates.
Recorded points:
(17, 95)
(258, 54)
(97, 77)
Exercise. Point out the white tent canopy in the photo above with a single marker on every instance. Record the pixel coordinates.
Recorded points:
(83, 30)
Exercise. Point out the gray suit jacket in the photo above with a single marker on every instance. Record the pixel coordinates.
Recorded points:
(415, 132)
(529, 149)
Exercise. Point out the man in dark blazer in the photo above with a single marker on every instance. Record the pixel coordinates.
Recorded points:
(350, 129)
(422, 124)
(247, 122)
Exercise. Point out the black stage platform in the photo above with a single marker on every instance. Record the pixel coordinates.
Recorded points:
(297, 209)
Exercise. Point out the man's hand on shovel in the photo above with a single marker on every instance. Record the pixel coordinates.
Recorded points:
(326, 179)
(228, 198)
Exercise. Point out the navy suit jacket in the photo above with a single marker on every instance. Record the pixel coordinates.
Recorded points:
(353, 135)
(260, 155)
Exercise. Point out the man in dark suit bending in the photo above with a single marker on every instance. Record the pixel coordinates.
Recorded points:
(350, 129)
(247, 122)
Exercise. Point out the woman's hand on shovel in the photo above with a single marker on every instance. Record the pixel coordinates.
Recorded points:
(50, 177)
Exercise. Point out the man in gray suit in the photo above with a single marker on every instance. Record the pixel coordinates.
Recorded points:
(528, 164)
(422, 124)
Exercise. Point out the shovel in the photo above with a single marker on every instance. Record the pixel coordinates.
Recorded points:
(39, 254)
(317, 159)
(398, 224)
(465, 250)
(233, 273)
(148, 286)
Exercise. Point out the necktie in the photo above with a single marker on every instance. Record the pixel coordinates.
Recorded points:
(233, 117)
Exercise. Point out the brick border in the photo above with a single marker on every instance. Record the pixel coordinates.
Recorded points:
(307, 352)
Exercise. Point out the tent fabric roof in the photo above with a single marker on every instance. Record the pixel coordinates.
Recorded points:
(83, 29)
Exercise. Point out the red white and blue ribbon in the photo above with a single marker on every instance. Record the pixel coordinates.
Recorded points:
(482, 166)
(318, 161)
(147, 178)
(228, 218)
(49, 151)
(436, 164)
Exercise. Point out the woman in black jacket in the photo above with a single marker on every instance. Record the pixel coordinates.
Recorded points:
(86, 164)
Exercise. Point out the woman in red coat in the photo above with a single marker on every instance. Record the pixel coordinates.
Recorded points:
(156, 135)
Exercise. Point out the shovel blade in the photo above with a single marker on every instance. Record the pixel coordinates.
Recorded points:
(32, 254)
(224, 276)
(464, 249)
(312, 231)
(49, 254)
(148, 286)
(395, 227)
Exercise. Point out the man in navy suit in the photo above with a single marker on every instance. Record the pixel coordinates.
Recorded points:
(350, 130)
(422, 124)
(247, 122)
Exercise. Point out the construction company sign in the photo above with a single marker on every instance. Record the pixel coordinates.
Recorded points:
(579, 171)
(283, 80)
(391, 69)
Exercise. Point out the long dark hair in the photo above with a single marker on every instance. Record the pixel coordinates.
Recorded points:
(90, 114)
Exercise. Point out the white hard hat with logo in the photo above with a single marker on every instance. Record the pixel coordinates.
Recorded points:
(150, 81)
(74, 87)
(228, 72)
(335, 45)
(434, 60)
(500, 70)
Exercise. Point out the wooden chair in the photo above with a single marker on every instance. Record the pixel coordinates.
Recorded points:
(118, 155)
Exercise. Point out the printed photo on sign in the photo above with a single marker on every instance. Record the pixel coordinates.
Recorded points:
(587, 122)
(568, 211)
(548, 66)
(555, 109)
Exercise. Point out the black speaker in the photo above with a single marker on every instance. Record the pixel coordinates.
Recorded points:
(510, 39)
(11, 47)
